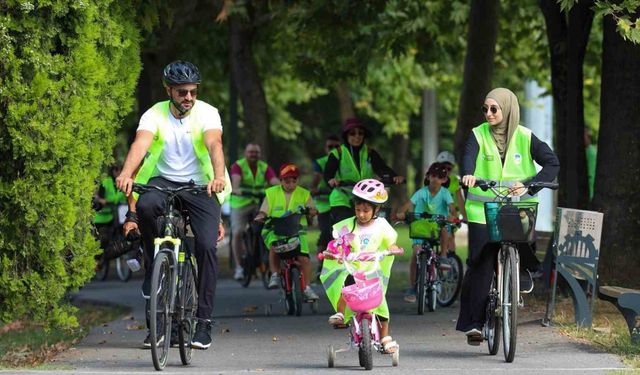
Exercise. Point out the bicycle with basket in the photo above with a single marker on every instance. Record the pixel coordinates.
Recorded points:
(511, 223)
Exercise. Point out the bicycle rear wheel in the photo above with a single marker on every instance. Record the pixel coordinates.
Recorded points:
(450, 281)
(492, 325)
(189, 302)
(421, 282)
(162, 290)
(510, 304)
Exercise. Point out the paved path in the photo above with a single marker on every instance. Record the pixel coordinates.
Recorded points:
(248, 341)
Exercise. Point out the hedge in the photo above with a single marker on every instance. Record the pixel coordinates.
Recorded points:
(68, 74)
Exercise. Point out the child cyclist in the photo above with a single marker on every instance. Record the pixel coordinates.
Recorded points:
(281, 200)
(370, 234)
(434, 199)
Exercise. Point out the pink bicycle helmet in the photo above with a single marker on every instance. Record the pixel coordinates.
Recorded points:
(371, 191)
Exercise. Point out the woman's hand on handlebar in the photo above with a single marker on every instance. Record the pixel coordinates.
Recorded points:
(517, 189)
(469, 180)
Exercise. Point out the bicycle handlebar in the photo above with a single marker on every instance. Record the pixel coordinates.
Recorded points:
(191, 188)
(361, 256)
(439, 219)
(489, 184)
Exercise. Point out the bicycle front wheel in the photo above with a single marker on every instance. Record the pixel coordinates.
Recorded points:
(365, 351)
(510, 304)
(450, 281)
(189, 303)
(122, 269)
(296, 290)
(162, 290)
(492, 325)
(421, 282)
(432, 287)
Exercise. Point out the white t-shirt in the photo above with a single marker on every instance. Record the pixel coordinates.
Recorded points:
(377, 236)
(178, 161)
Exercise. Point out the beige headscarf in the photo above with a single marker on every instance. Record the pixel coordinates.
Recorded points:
(503, 131)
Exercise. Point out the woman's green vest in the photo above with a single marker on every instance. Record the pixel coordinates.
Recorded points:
(149, 165)
(278, 207)
(322, 201)
(347, 171)
(518, 167)
(249, 183)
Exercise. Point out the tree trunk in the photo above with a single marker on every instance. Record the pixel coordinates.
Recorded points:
(617, 179)
(344, 98)
(400, 166)
(478, 68)
(567, 44)
(248, 83)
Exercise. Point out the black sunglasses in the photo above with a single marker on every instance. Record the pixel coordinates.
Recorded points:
(493, 109)
(182, 92)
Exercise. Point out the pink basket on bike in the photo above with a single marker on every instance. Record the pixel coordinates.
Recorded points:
(364, 295)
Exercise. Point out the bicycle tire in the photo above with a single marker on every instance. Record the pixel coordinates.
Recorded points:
(189, 302)
(492, 325)
(451, 281)
(122, 269)
(365, 345)
(296, 290)
(263, 263)
(432, 291)
(162, 290)
(248, 265)
(421, 278)
(510, 304)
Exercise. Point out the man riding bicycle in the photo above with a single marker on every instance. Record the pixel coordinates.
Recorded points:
(248, 175)
(180, 140)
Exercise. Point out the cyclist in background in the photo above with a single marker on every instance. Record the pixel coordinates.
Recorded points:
(180, 140)
(434, 199)
(104, 200)
(453, 185)
(322, 200)
(501, 150)
(353, 161)
(249, 175)
(281, 200)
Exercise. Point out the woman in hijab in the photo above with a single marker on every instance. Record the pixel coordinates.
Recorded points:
(500, 150)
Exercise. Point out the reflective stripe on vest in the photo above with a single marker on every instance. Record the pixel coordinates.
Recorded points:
(278, 207)
(347, 171)
(322, 201)
(161, 115)
(250, 183)
(518, 166)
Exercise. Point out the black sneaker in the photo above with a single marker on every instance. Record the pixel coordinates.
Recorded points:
(147, 341)
(526, 282)
(202, 337)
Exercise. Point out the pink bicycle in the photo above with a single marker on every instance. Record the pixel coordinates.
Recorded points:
(362, 297)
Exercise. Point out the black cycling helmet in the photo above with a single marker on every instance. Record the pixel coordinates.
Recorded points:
(180, 72)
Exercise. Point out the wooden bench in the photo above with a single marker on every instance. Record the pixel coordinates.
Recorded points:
(628, 302)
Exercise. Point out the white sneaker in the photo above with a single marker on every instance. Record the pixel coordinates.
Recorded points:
(274, 281)
(309, 294)
(239, 273)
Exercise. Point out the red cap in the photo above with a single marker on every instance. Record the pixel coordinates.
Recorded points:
(352, 123)
(289, 170)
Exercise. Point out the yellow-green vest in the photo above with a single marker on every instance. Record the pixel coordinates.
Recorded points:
(322, 201)
(518, 167)
(249, 183)
(334, 274)
(161, 115)
(347, 171)
(278, 207)
(111, 195)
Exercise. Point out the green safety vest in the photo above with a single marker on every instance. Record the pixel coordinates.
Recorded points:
(322, 201)
(249, 183)
(334, 274)
(161, 116)
(518, 167)
(347, 171)
(454, 186)
(111, 195)
(278, 207)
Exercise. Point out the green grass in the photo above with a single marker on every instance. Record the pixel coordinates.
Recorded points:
(27, 344)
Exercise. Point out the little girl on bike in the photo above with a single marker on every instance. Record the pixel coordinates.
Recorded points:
(434, 199)
(370, 234)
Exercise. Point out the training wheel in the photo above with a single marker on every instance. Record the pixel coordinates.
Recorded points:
(331, 356)
(395, 358)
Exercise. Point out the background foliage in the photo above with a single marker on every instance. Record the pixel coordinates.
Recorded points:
(67, 75)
